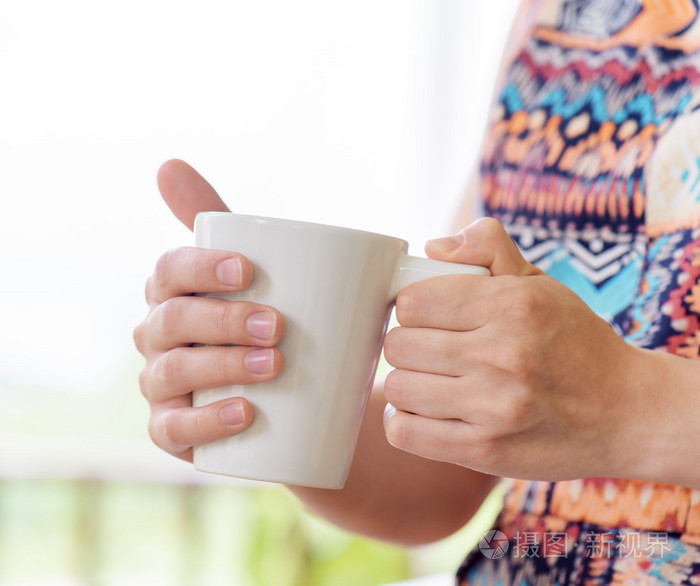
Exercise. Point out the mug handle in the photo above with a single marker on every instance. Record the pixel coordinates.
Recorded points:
(412, 269)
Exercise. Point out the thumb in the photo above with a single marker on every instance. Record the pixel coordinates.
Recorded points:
(484, 243)
(186, 192)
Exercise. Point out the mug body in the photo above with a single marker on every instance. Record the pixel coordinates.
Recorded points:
(332, 285)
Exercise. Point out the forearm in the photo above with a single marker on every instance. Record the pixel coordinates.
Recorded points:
(662, 444)
(395, 496)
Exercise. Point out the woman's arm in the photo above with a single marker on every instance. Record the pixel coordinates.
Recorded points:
(396, 496)
(514, 375)
(390, 494)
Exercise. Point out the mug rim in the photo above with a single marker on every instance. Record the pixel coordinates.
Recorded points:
(303, 224)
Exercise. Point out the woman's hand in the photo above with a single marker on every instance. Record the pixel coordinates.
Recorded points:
(512, 374)
(193, 343)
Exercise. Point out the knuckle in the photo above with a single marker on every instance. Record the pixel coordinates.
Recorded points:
(522, 303)
(148, 290)
(405, 302)
(529, 300)
(201, 270)
(168, 367)
(398, 431)
(161, 273)
(393, 346)
(153, 430)
(225, 363)
(513, 413)
(202, 423)
(144, 382)
(518, 408)
(167, 315)
(520, 363)
(525, 365)
(224, 315)
(489, 228)
(164, 432)
(452, 351)
(138, 336)
(394, 388)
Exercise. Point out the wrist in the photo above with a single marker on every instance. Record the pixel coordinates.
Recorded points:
(660, 437)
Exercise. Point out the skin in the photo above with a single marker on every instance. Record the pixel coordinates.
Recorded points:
(510, 375)
(493, 372)
(384, 482)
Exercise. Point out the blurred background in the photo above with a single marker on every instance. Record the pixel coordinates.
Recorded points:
(363, 113)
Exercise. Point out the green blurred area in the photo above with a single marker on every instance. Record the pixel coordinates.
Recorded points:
(91, 533)
(59, 527)
(104, 534)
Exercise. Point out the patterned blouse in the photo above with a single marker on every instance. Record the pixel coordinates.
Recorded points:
(592, 162)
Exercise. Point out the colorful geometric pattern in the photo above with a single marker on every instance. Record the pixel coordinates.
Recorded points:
(592, 162)
(546, 551)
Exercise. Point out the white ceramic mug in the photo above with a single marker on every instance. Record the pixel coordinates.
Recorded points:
(335, 288)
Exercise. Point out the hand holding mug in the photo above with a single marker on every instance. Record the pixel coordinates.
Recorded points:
(192, 342)
(336, 288)
(513, 375)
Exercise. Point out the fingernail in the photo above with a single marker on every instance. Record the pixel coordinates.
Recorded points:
(232, 414)
(447, 244)
(261, 325)
(230, 272)
(260, 360)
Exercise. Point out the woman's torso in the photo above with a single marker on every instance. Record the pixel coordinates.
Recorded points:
(592, 161)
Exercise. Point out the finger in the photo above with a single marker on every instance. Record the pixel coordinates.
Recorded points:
(480, 397)
(182, 321)
(197, 270)
(429, 395)
(177, 372)
(449, 302)
(485, 243)
(444, 440)
(178, 430)
(186, 192)
(428, 350)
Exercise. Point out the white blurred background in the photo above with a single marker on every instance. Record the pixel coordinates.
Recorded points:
(364, 113)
